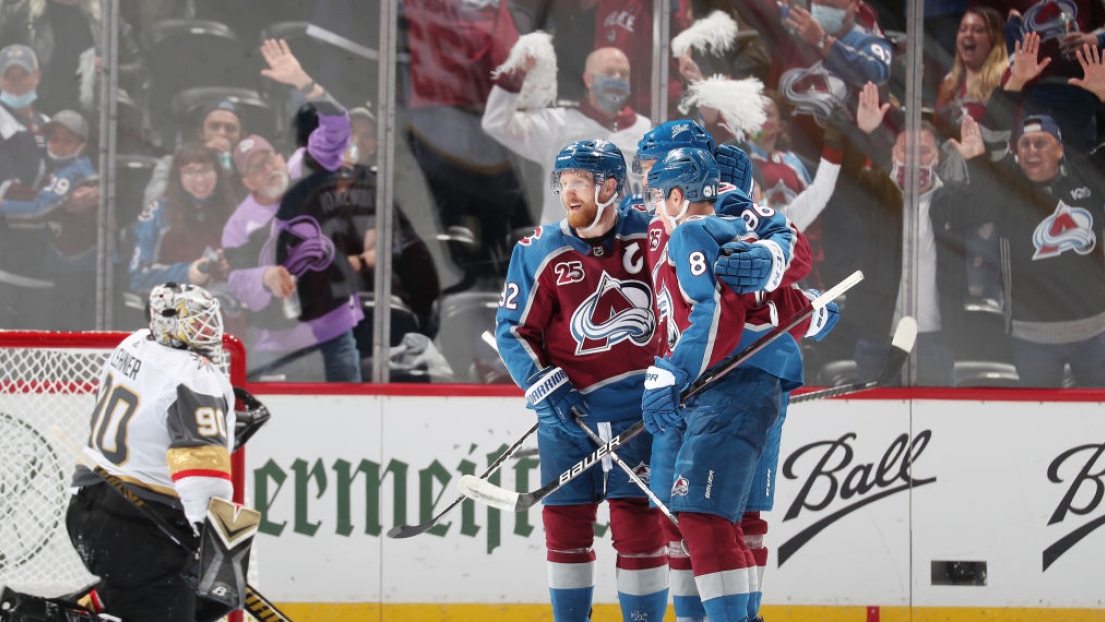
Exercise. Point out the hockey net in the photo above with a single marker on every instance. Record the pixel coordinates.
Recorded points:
(49, 379)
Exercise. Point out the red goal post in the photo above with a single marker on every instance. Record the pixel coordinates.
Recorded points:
(47, 379)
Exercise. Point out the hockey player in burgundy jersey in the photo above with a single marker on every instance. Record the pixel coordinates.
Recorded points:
(575, 328)
(722, 437)
(164, 424)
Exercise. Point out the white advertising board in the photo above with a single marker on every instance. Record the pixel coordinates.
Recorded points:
(869, 494)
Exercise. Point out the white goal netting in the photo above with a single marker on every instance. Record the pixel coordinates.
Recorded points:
(46, 380)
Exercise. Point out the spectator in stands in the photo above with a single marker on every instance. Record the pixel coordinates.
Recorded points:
(22, 147)
(822, 58)
(179, 237)
(540, 134)
(454, 46)
(944, 223)
(980, 62)
(364, 137)
(1048, 209)
(1061, 28)
(321, 221)
(67, 36)
(54, 229)
(219, 128)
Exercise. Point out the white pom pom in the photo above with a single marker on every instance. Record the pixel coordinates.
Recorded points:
(539, 88)
(740, 102)
(714, 34)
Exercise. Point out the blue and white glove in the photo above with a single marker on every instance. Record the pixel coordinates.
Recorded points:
(734, 167)
(745, 267)
(554, 398)
(823, 321)
(660, 407)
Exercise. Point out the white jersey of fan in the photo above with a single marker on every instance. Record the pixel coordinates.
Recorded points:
(164, 419)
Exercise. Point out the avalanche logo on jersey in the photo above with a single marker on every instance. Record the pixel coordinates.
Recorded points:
(618, 310)
(1046, 18)
(1069, 228)
(643, 471)
(666, 308)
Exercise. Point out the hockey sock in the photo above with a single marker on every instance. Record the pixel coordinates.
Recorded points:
(754, 529)
(720, 566)
(569, 536)
(684, 591)
(642, 566)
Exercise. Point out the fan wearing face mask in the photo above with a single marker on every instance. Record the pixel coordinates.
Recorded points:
(52, 230)
(538, 133)
(948, 217)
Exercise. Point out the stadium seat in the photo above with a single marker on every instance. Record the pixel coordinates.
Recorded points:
(131, 128)
(132, 173)
(985, 374)
(184, 54)
(257, 115)
(464, 318)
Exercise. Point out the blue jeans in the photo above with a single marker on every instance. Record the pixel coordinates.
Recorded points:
(935, 362)
(1041, 364)
(341, 362)
(341, 359)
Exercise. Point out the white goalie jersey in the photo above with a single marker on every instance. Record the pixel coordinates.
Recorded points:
(164, 420)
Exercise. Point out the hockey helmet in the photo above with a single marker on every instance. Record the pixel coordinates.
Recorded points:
(602, 158)
(692, 170)
(669, 135)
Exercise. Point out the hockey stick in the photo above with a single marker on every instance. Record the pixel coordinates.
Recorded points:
(724, 367)
(407, 531)
(904, 337)
(503, 499)
(257, 605)
(636, 479)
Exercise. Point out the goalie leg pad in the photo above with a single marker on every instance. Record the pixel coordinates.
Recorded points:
(225, 544)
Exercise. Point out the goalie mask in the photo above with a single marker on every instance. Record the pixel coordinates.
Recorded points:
(186, 317)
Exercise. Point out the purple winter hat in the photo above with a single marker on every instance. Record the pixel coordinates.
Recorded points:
(328, 141)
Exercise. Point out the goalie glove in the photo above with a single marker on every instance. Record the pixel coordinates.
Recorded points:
(225, 545)
(747, 267)
(734, 167)
(660, 406)
(554, 398)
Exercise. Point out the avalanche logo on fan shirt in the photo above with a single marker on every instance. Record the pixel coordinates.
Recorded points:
(681, 487)
(618, 310)
(1046, 18)
(1069, 228)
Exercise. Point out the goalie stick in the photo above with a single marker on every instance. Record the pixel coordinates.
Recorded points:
(407, 531)
(904, 337)
(257, 605)
(511, 501)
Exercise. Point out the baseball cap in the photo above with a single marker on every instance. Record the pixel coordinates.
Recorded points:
(247, 147)
(20, 55)
(1040, 123)
(70, 120)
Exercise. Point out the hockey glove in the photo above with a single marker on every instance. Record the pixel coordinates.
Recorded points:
(660, 407)
(734, 167)
(823, 321)
(745, 267)
(554, 398)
